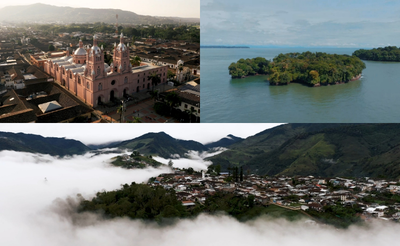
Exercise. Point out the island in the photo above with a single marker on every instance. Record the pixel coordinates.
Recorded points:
(135, 160)
(312, 69)
(389, 53)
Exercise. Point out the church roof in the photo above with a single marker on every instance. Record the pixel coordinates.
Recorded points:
(80, 52)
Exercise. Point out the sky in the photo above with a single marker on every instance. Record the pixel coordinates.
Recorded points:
(105, 133)
(35, 211)
(306, 23)
(174, 8)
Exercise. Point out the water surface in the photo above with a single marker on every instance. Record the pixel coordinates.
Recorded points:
(373, 99)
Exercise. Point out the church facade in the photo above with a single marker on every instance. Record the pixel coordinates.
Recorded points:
(87, 76)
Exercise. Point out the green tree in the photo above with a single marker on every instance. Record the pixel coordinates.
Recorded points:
(218, 169)
(170, 163)
(173, 100)
(51, 47)
(155, 79)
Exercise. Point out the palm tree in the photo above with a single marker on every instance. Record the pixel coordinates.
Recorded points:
(121, 110)
(155, 79)
(173, 100)
(190, 113)
(136, 61)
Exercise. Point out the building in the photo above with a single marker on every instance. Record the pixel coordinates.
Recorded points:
(86, 75)
(40, 59)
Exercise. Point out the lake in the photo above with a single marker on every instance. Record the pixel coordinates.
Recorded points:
(373, 99)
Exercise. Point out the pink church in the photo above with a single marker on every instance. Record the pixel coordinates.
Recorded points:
(86, 75)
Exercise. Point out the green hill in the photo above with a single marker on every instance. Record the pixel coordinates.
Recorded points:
(354, 150)
(38, 144)
(160, 144)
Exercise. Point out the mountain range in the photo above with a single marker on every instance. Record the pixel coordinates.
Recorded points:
(48, 13)
(326, 150)
(38, 144)
(157, 144)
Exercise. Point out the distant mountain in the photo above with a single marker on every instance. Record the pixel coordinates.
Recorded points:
(38, 144)
(160, 144)
(224, 142)
(47, 13)
(353, 150)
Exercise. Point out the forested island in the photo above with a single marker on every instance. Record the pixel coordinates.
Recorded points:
(389, 53)
(313, 69)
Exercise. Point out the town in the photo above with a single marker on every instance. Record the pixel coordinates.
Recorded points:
(138, 73)
(370, 198)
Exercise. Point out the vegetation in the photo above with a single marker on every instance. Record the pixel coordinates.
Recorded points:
(39, 144)
(140, 201)
(389, 53)
(160, 144)
(338, 215)
(166, 31)
(385, 198)
(307, 68)
(136, 201)
(135, 160)
(246, 67)
(328, 150)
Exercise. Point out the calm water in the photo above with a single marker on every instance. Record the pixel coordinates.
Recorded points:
(375, 98)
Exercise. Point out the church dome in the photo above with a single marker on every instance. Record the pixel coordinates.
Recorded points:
(121, 47)
(96, 49)
(80, 52)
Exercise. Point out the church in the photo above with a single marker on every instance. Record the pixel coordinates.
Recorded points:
(87, 76)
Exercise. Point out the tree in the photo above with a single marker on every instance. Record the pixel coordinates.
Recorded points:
(170, 74)
(135, 153)
(51, 47)
(170, 163)
(218, 169)
(121, 110)
(190, 113)
(155, 79)
(173, 100)
(190, 171)
(241, 174)
(136, 61)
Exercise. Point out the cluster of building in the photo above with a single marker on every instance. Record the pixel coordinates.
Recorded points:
(300, 193)
(78, 71)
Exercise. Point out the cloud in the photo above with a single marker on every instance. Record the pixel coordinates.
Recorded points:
(36, 212)
(301, 23)
(193, 159)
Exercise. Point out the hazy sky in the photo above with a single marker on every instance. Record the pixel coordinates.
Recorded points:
(101, 133)
(175, 8)
(336, 23)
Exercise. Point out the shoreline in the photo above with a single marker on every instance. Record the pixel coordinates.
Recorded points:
(309, 85)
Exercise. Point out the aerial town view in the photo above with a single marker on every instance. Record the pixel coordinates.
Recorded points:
(105, 65)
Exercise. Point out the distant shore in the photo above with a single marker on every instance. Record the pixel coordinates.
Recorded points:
(225, 47)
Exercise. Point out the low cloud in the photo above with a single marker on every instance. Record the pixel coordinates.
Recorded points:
(193, 159)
